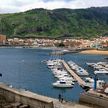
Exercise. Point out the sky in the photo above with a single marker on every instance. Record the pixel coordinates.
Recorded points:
(12, 6)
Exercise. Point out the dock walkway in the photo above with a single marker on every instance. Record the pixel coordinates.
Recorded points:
(76, 77)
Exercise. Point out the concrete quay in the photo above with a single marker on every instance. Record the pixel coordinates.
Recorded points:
(57, 104)
(26, 99)
(94, 98)
(73, 74)
(12, 95)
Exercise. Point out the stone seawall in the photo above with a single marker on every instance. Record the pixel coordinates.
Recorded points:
(25, 97)
(95, 99)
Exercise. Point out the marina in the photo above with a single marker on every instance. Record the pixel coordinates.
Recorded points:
(67, 75)
(64, 79)
(90, 83)
(77, 78)
(78, 70)
(99, 67)
(24, 69)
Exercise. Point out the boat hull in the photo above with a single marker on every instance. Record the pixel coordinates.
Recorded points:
(63, 85)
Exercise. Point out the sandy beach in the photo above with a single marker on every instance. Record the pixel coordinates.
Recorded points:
(94, 52)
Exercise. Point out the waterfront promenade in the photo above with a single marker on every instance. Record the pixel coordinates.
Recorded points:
(73, 74)
(58, 104)
(16, 97)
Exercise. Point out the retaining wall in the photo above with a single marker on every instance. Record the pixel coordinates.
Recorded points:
(25, 97)
(94, 99)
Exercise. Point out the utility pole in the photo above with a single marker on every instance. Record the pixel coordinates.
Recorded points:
(95, 81)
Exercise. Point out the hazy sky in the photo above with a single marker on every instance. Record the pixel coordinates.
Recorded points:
(10, 6)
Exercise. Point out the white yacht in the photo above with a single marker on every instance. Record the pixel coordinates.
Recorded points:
(90, 83)
(91, 64)
(53, 62)
(101, 72)
(67, 79)
(99, 66)
(63, 84)
(58, 72)
(79, 70)
(62, 76)
(64, 79)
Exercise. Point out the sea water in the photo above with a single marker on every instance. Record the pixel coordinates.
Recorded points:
(23, 69)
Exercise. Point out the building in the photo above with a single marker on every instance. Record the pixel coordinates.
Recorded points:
(2, 39)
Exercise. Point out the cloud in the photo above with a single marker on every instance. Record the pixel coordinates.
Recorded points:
(9, 10)
(87, 3)
(56, 0)
(49, 5)
(8, 6)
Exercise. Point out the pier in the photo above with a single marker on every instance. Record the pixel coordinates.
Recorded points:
(73, 74)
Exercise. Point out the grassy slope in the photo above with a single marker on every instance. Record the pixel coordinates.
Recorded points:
(55, 23)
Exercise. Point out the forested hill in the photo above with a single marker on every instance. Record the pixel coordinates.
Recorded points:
(85, 23)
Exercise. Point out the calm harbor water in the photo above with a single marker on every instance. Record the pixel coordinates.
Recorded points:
(23, 68)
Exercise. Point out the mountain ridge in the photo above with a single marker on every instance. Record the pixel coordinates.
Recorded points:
(84, 23)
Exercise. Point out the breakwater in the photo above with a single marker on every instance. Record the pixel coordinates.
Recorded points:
(94, 98)
(19, 98)
(28, 98)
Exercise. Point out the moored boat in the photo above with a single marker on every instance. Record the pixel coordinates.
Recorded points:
(79, 70)
(63, 84)
(90, 83)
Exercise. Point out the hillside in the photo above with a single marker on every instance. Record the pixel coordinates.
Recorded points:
(85, 23)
